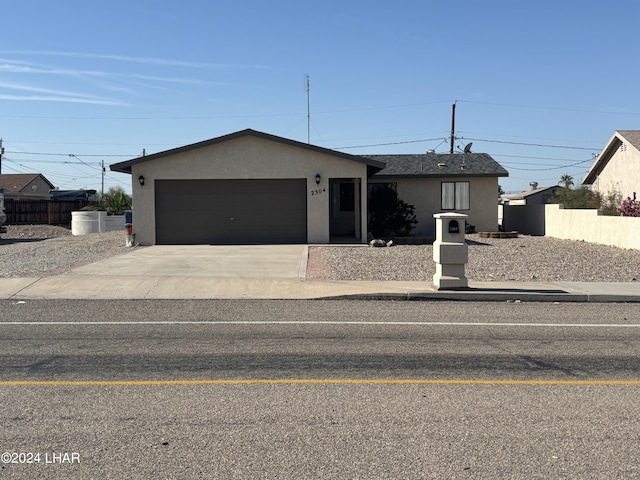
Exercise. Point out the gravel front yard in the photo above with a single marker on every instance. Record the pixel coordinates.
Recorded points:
(522, 259)
(42, 250)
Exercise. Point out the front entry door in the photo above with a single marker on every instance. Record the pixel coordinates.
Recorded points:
(345, 210)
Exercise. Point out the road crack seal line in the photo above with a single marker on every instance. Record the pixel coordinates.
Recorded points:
(151, 289)
(540, 365)
(15, 295)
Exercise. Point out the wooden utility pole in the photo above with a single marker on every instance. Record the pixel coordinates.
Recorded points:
(453, 125)
(1, 153)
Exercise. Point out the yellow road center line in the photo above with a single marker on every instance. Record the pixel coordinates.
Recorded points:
(299, 381)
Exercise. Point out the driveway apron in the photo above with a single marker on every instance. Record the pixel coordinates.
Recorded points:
(239, 261)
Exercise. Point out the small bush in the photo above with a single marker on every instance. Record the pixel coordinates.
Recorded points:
(610, 204)
(468, 228)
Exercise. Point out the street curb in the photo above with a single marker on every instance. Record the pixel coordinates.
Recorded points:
(488, 297)
(472, 297)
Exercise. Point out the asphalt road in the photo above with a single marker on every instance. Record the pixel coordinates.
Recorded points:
(235, 389)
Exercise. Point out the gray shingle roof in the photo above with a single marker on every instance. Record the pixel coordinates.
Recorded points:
(439, 165)
(632, 136)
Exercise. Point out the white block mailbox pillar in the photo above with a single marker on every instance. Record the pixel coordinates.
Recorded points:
(450, 252)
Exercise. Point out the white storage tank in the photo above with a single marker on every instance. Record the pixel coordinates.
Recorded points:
(83, 223)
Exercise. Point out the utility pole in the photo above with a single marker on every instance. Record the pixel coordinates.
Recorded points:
(1, 153)
(308, 112)
(102, 178)
(453, 125)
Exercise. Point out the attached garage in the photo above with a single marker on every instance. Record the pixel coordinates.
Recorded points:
(247, 187)
(231, 211)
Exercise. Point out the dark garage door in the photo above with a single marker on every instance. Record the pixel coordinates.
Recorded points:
(231, 211)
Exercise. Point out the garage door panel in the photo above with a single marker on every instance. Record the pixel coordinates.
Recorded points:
(231, 211)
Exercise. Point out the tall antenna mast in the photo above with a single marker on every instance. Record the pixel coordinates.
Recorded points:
(453, 125)
(308, 111)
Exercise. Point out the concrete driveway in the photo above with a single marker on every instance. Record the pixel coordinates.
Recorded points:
(238, 261)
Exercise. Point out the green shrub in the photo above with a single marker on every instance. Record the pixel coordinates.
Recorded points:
(578, 198)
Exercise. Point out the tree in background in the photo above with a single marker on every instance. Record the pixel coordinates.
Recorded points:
(566, 180)
(583, 197)
(575, 198)
(579, 198)
(115, 201)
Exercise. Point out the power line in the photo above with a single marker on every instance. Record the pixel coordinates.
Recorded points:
(390, 143)
(529, 144)
(74, 155)
(550, 168)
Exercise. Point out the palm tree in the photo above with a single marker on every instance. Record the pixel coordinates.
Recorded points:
(115, 201)
(566, 180)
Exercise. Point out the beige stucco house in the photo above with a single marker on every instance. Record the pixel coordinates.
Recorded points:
(617, 168)
(253, 187)
(435, 183)
(525, 212)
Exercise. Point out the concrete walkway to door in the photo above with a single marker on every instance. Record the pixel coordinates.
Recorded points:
(238, 261)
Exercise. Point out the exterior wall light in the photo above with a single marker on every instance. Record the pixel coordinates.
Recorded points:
(141, 180)
(317, 179)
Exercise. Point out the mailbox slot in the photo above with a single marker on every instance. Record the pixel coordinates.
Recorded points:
(453, 226)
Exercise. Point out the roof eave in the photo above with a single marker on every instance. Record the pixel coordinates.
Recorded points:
(125, 167)
(603, 159)
(440, 175)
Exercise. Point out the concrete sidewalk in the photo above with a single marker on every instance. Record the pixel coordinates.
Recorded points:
(74, 286)
(269, 272)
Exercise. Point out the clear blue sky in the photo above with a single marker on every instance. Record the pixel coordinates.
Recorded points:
(105, 80)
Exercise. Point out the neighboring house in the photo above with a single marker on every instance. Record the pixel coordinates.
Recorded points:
(539, 196)
(252, 187)
(525, 212)
(617, 168)
(73, 195)
(25, 186)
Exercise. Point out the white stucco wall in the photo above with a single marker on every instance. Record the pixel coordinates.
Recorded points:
(425, 195)
(591, 226)
(621, 174)
(246, 158)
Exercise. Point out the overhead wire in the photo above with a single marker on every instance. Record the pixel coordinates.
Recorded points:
(512, 165)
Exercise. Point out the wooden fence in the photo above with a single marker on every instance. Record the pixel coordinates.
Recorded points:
(34, 212)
